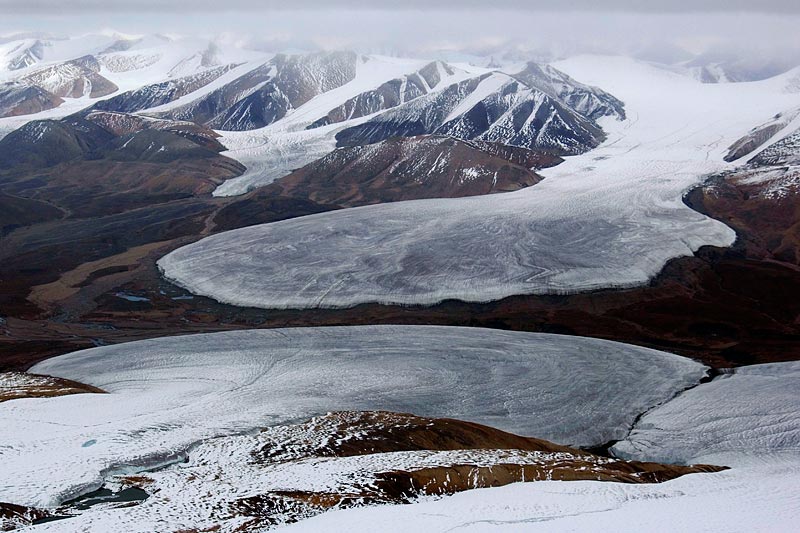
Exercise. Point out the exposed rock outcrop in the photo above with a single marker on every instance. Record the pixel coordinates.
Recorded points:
(15, 385)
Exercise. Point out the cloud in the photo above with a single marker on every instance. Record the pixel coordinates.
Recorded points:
(193, 6)
(442, 32)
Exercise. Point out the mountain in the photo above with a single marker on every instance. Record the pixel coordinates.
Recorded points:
(23, 99)
(107, 163)
(20, 54)
(123, 123)
(390, 94)
(265, 94)
(402, 168)
(779, 135)
(155, 70)
(591, 102)
(783, 152)
(75, 78)
(45, 143)
(406, 168)
(161, 93)
(493, 107)
(731, 66)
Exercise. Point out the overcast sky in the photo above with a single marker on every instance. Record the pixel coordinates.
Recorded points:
(768, 27)
(674, 6)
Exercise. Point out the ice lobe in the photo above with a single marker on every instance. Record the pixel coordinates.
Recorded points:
(165, 394)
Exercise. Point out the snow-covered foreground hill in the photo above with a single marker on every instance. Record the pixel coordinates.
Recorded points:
(749, 420)
(168, 393)
(609, 218)
(760, 498)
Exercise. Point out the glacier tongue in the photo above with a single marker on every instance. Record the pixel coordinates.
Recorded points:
(736, 418)
(165, 394)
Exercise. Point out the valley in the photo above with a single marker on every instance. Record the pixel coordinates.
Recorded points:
(333, 290)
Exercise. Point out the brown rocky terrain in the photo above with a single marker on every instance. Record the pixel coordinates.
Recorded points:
(22, 99)
(73, 79)
(410, 168)
(16, 385)
(17, 516)
(17, 212)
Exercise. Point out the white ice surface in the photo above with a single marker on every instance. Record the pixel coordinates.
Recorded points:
(168, 393)
(754, 410)
(610, 218)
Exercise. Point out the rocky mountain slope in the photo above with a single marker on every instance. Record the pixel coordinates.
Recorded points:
(267, 93)
(75, 78)
(18, 98)
(44, 143)
(760, 135)
(493, 107)
(403, 168)
(406, 168)
(390, 94)
(591, 102)
(161, 93)
(786, 151)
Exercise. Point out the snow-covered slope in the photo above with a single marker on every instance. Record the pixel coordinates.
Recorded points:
(19, 54)
(161, 93)
(165, 394)
(345, 459)
(760, 498)
(609, 218)
(735, 66)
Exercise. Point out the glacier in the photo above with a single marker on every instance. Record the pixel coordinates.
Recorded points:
(609, 218)
(166, 394)
(748, 411)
